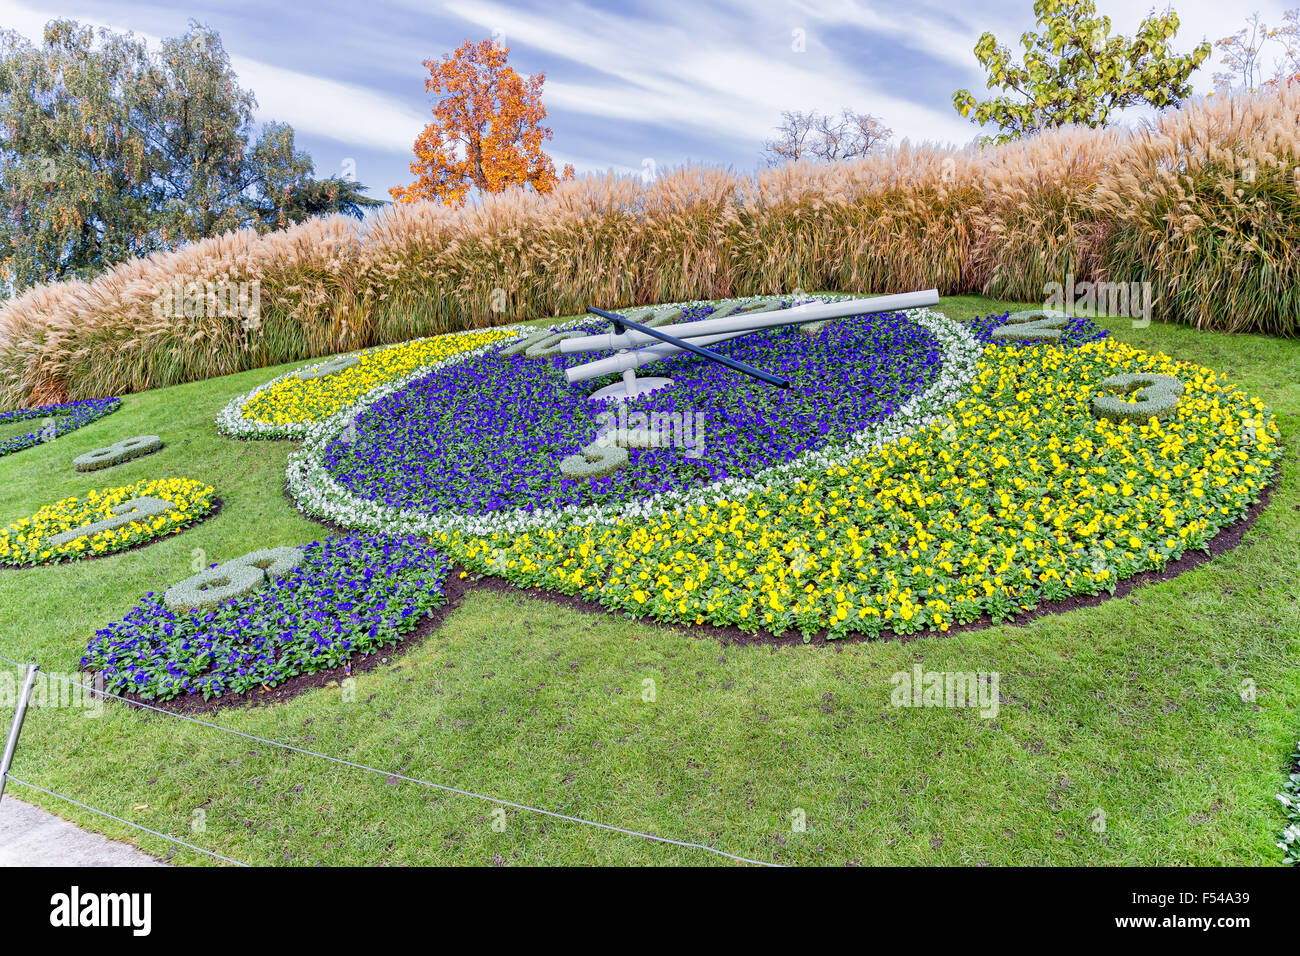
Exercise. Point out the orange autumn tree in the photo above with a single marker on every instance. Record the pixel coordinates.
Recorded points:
(486, 133)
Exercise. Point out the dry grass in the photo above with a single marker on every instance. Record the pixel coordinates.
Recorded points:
(1205, 205)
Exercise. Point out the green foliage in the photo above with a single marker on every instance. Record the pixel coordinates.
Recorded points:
(658, 317)
(123, 514)
(594, 461)
(517, 348)
(1032, 325)
(550, 344)
(118, 452)
(109, 151)
(231, 579)
(331, 367)
(313, 197)
(1154, 396)
(1074, 71)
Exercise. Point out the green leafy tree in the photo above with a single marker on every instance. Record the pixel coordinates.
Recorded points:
(1074, 71)
(316, 197)
(109, 150)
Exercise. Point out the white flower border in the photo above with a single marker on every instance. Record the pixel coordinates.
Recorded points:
(1290, 799)
(317, 494)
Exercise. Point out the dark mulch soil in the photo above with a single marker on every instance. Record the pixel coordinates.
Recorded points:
(456, 587)
(1224, 541)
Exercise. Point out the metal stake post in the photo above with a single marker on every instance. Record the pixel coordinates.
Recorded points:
(630, 387)
(629, 375)
(11, 744)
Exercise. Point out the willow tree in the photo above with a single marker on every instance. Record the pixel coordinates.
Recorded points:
(109, 150)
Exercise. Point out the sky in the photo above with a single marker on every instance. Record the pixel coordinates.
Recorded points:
(633, 85)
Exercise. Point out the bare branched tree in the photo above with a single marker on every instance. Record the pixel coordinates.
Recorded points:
(813, 135)
(1244, 53)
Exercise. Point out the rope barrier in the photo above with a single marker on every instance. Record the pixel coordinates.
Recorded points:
(105, 813)
(416, 780)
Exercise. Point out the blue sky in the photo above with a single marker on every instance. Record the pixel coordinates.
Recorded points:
(670, 81)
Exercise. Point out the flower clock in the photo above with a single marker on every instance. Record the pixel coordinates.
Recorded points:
(106, 520)
(920, 473)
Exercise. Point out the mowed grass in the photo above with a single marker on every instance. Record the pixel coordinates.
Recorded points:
(1132, 710)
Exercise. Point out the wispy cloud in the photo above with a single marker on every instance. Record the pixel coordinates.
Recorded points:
(726, 71)
(344, 112)
(672, 80)
(939, 30)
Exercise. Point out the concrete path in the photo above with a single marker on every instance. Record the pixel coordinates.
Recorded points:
(30, 836)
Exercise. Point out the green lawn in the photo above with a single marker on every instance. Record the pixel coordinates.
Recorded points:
(1132, 708)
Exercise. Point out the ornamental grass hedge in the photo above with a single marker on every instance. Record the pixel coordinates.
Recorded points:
(1203, 203)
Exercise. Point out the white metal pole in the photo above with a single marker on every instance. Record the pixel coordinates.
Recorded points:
(11, 743)
(742, 326)
(635, 358)
(761, 320)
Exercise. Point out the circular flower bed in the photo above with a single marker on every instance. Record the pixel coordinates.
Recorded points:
(62, 419)
(991, 489)
(284, 406)
(28, 541)
(488, 433)
(350, 596)
(317, 492)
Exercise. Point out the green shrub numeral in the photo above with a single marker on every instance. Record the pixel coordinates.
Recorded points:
(231, 579)
(595, 460)
(118, 452)
(539, 344)
(1154, 396)
(516, 347)
(550, 344)
(123, 514)
(335, 365)
(1031, 326)
(660, 316)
